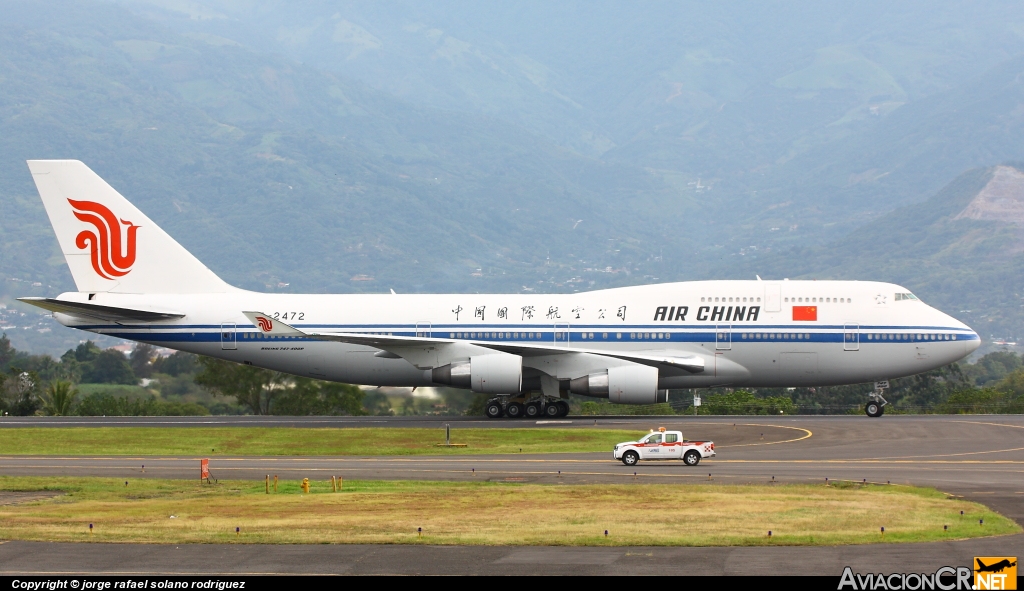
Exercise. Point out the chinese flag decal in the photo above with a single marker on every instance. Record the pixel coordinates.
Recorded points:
(805, 313)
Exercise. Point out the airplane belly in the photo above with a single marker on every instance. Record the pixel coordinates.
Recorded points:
(342, 363)
(333, 362)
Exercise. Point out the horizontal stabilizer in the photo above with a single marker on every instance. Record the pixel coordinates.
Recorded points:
(98, 312)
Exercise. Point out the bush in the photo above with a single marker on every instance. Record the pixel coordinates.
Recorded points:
(106, 404)
(742, 402)
(594, 408)
(982, 400)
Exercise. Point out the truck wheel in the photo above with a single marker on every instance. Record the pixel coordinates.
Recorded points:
(514, 410)
(874, 409)
(493, 410)
(630, 458)
(692, 457)
(532, 410)
(553, 410)
(563, 408)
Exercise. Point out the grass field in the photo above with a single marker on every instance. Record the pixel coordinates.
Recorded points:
(287, 441)
(486, 513)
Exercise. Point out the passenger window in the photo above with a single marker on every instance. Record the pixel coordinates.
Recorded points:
(671, 438)
(656, 438)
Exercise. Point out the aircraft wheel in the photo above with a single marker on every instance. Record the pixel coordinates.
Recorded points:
(563, 408)
(692, 457)
(874, 409)
(553, 410)
(493, 410)
(514, 410)
(630, 458)
(532, 410)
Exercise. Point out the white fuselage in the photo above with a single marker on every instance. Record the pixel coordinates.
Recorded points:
(747, 332)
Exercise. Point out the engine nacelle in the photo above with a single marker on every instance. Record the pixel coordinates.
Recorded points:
(498, 373)
(630, 384)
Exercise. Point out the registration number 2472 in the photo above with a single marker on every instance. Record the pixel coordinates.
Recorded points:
(284, 316)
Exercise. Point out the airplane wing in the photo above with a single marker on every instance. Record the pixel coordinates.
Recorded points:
(97, 312)
(270, 326)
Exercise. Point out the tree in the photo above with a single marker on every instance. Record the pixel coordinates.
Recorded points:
(249, 385)
(19, 392)
(1013, 384)
(307, 397)
(86, 352)
(109, 367)
(58, 398)
(141, 360)
(343, 399)
(177, 364)
(376, 403)
(7, 352)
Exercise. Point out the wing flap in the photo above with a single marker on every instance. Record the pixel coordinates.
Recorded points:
(99, 312)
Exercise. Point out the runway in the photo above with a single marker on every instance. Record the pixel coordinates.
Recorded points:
(980, 457)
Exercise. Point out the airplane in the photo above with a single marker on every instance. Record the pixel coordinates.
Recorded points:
(529, 351)
(996, 567)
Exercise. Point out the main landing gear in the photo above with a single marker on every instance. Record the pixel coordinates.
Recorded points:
(504, 406)
(876, 406)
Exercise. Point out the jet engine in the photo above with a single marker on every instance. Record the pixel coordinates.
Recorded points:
(629, 384)
(498, 373)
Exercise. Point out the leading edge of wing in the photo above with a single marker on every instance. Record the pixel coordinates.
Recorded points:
(394, 344)
(96, 311)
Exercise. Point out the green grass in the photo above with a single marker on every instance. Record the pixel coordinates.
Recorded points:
(287, 441)
(485, 513)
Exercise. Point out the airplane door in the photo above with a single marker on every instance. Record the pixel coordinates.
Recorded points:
(562, 335)
(423, 329)
(227, 336)
(851, 337)
(723, 337)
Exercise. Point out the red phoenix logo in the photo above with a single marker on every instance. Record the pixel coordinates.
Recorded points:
(109, 257)
(266, 324)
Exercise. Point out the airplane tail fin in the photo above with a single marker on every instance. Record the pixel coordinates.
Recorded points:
(108, 243)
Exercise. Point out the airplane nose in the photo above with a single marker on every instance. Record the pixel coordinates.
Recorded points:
(971, 345)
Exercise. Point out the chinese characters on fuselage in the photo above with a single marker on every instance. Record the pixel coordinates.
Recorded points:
(661, 313)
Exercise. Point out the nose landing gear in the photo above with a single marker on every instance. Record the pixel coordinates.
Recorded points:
(876, 406)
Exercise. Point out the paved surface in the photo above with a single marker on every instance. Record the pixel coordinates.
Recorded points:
(979, 457)
(49, 559)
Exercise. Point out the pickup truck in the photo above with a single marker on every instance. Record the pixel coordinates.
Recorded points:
(664, 445)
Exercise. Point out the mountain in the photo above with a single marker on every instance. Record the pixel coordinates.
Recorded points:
(961, 251)
(276, 173)
(349, 146)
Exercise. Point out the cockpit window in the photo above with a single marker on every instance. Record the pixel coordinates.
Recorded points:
(905, 296)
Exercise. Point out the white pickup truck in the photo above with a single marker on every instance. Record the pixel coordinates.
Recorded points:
(664, 445)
